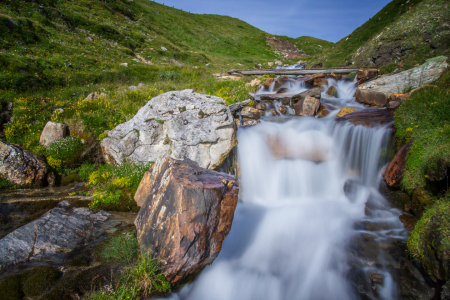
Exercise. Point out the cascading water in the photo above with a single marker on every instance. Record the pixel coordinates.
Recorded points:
(307, 185)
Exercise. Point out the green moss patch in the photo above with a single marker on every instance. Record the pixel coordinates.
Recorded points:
(429, 243)
(39, 281)
(424, 120)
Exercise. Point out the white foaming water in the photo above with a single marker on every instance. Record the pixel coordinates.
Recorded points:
(294, 221)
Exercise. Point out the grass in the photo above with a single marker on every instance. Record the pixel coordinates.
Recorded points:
(138, 282)
(400, 20)
(122, 248)
(424, 120)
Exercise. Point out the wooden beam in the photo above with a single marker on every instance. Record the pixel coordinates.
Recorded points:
(293, 71)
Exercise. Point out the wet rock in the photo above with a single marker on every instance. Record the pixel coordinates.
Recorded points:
(332, 91)
(409, 221)
(237, 106)
(261, 106)
(393, 173)
(344, 111)
(317, 152)
(307, 106)
(422, 75)
(365, 75)
(186, 212)
(91, 152)
(274, 112)
(23, 167)
(53, 132)
(268, 83)
(394, 104)
(283, 109)
(323, 113)
(251, 122)
(369, 117)
(314, 92)
(310, 79)
(249, 112)
(182, 124)
(370, 97)
(320, 81)
(281, 80)
(58, 231)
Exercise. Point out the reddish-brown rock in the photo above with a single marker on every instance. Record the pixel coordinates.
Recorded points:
(370, 97)
(320, 81)
(279, 82)
(268, 82)
(369, 117)
(393, 173)
(363, 76)
(274, 112)
(310, 79)
(409, 221)
(307, 106)
(186, 213)
(261, 106)
(332, 91)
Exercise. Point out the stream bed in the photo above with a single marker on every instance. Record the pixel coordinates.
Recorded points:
(311, 222)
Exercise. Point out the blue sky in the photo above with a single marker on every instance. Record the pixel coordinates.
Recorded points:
(325, 19)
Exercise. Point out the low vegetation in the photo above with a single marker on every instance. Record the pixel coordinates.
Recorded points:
(407, 31)
(424, 120)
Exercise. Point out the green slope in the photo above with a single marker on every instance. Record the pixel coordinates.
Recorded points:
(312, 45)
(404, 30)
(48, 43)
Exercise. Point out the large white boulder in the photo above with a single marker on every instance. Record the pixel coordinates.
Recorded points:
(405, 81)
(179, 124)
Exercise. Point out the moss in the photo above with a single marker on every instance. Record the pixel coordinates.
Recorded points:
(429, 243)
(125, 204)
(39, 280)
(73, 177)
(201, 114)
(424, 120)
(11, 288)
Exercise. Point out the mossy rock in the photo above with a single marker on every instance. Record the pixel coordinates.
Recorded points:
(11, 288)
(39, 280)
(82, 282)
(429, 243)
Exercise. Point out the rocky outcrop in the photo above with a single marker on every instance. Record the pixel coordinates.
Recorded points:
(180, 124)
(23, 167)
(186, 213)
(402, 82)
(53, 132)
(58, 231)
(307, 106)
(239, 105)
(393, 173)
(288, 49)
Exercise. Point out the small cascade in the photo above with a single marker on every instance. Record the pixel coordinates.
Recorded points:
(311, 222)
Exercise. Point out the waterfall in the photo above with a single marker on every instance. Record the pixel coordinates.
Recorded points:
(306, 186)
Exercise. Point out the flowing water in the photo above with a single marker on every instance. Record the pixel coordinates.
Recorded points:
(306, 185)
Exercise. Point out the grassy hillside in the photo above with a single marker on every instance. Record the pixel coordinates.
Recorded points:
(404, 30)
(312, 45)
(48, 43)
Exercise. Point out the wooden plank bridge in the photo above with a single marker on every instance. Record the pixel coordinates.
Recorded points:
(293, 71)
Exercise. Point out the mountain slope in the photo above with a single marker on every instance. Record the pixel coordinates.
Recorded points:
(404, 30)
(47, 43)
